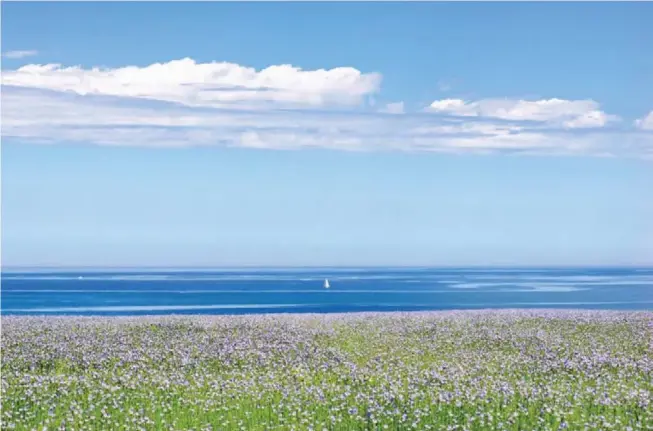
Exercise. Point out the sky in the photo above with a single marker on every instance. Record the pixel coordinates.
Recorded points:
(327, 134)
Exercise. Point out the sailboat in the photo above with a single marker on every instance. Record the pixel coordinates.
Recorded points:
(326, 283)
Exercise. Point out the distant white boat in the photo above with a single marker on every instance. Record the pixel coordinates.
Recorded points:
(326, 283)
(80, 278)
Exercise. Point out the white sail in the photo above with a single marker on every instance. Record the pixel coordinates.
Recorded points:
(326, 283)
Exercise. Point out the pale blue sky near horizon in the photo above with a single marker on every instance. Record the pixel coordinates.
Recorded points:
(75, 194)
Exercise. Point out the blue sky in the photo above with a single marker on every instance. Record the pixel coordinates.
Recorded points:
(327, 134)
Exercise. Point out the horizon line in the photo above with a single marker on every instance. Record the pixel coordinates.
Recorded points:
(4, 268)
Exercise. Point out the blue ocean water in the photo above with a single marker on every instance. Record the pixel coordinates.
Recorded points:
(301, 290)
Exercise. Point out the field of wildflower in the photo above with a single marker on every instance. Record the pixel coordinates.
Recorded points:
(466, 370)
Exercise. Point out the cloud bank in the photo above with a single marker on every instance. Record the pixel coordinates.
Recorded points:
(184, 103)
(205, 84)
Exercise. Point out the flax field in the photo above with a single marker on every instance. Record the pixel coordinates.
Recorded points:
(460, 370)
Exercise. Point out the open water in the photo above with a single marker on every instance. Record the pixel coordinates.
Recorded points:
(239, 291)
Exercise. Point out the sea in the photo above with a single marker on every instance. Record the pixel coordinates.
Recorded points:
(301, 290)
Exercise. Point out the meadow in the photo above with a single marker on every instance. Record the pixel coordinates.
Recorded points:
(458, 370)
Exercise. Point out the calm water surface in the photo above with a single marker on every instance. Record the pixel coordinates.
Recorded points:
(301, 290)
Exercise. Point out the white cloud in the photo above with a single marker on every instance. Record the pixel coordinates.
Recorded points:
(645, 123)
(567, 113)
(158, 108)
(20, 54)
(204, 84)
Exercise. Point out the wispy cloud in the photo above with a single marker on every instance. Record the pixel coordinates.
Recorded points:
(184, 103)
(393, 108)
(565, 113)
(20, 54)
(444, 86)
